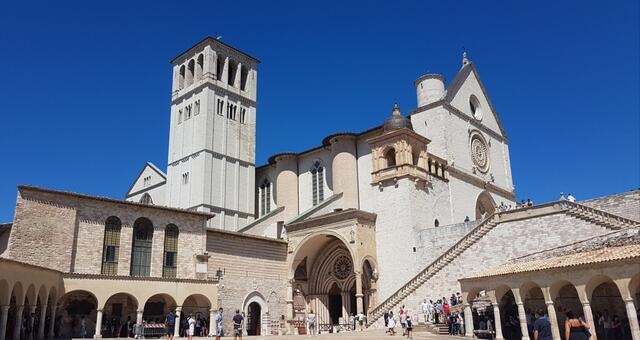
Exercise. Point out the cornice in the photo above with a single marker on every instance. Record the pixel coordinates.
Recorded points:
(479, 182)
(361, 216)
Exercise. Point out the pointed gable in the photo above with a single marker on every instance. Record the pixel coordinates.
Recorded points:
(150, 176)
(467, 94)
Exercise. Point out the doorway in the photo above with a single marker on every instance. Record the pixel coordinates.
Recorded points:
(253, 319)
(335, 305)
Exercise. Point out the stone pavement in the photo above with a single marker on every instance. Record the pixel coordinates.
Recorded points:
(376, 334)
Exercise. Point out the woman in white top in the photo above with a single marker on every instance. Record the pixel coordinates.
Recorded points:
(192, 327)
(391, 324)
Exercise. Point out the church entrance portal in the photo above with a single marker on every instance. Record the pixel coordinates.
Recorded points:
(253, 319)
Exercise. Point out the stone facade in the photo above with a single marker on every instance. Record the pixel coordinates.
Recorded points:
(254, 269)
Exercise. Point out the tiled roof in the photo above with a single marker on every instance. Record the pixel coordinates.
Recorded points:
(571, 260)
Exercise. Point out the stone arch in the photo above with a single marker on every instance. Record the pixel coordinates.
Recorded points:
(565, 297)
(158, 306)
(74, 306)
(532, 296)
(199, 67)
(43, 293)
(307, 239)
(195, 304)
(31, 296)
(594, 282)
(485, 205)
(318, 282)
(5, 293)
(473, 294)
(389, 157)
(254, 313)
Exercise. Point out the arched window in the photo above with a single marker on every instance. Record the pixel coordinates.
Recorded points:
(169, 268)
(220, 66)
(190, 71)
(199, 65)
(146, 199)
(141, 250)
(111, 246)
(181, 77)
(317, 182)
(265, 197)
(233, 68)
(244, 72)
(390, 157)
(436, 223)
(416, 157)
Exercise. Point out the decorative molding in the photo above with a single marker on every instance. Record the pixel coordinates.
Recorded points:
(214, 154)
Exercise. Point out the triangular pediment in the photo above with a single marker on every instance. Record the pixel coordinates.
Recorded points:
(460, 93)
(149, 176)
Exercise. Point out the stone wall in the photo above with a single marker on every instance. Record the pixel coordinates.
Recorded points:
(69, 229)
(626, 204)
(434, 241)
(506, 241)
(255, 269)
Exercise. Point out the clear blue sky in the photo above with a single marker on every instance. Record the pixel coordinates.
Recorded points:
(85, 86)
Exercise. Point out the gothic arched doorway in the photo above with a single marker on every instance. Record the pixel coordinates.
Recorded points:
(485, 205)
(335, 304)
(253, 318)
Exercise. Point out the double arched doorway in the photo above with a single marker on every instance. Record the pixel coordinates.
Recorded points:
(331, 281)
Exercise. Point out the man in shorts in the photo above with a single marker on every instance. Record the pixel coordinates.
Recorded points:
(238, 325)
(219, 331)
(170, 323)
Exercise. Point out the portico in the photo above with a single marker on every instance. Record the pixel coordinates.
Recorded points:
(602, 282)
(332, 266)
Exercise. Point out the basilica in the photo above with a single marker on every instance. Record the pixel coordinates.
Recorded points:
(364, 222)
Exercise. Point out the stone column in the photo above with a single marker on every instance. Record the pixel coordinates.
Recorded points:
(522, 317)
(225, 71)
(468, 321)
(496, 316)
(52, 322)
(633, 319)
(289, 302)
(176, 330)
(139, 316)
(18, 323)
(4, 314)
(345, 306)
(359, 295)
(588, 315)
(212, 322)
(98, 334)
(43, 315)
(553, 319)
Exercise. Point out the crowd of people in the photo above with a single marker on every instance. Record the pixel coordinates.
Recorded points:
(529, 203)
(403, 318)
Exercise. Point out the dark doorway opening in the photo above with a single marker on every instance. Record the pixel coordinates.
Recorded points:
(335, 305)
(253, 319)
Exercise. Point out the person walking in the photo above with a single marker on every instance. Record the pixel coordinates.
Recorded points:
(311, 323)
(169, 322)
(542, 327)
(409, 327)
(386, 320)
(403, 318)
(219, 330)
(575, 329)
(192, 327)
(360, 317)
(425, 307)
(391, 325)
(238, 323)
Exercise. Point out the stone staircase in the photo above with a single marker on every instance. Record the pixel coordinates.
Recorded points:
(576, 210)
(596, 216)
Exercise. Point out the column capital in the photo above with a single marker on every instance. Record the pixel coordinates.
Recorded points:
(548, 303)
(5, 307)
(520, 303)
(99, 310)
(359, 295)
(628, 300)
(178, 308)
(586, 303)
(140, 311)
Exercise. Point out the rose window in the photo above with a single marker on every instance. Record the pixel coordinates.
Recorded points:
(479, 153)
(342, 267)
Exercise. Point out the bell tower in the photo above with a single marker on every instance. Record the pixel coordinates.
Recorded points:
(211, 161)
